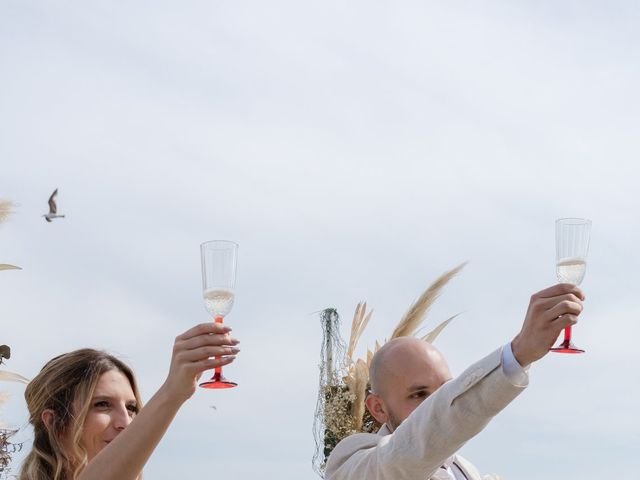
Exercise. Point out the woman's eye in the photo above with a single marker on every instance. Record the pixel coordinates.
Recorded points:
(132, 409)
(101, 404)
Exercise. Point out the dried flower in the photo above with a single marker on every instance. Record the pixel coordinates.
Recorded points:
(6, 209)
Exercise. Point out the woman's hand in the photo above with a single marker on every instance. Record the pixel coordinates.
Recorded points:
(192, 355)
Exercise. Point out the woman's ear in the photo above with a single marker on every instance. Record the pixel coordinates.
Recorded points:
(48, 418)
(376, 408)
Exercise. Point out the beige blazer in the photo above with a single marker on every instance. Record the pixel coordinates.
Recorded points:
(468, 469)
(435, 430)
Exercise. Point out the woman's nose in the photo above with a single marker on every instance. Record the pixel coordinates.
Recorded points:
(122, 418)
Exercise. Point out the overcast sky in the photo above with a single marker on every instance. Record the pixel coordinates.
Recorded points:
(355, 151)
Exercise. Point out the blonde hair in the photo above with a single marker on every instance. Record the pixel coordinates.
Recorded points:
(65, 385)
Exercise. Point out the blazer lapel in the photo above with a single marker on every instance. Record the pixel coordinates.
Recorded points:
(468, 470)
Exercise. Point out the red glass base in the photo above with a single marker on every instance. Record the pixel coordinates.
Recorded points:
(566, 347)
(218, 384)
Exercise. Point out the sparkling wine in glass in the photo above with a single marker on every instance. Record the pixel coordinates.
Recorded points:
(572, 246)
(219, 259)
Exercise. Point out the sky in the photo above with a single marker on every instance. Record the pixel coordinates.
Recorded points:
(355, 151)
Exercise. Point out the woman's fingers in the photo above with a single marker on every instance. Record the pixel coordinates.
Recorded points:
(212, 337)
(203, 342)
(210, 363)
(204, 353)
(203, 329)
(206, 340)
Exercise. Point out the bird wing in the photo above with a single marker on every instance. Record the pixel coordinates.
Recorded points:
(52, 202)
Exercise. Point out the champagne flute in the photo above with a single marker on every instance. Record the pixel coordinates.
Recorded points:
(572, 245)
(218, 285)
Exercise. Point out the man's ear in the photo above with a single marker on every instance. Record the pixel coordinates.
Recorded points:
(47, 418)
(376, 408)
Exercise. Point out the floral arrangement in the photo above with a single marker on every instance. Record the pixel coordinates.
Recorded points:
(6, 447)
(344, 380)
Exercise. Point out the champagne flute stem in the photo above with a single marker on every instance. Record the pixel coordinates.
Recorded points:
(567, 335)
(217, 375)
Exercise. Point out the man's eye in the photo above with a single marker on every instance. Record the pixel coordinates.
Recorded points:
(420, 394)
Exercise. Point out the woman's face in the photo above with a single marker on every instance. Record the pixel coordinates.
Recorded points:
(112, 408)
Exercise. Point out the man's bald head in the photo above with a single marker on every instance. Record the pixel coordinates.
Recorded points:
(404, 372)
(396, 355)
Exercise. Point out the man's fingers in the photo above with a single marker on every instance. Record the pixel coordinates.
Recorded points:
(564, 321)
(566, 307)
(560, 289)
(549, 303)
(550, 311)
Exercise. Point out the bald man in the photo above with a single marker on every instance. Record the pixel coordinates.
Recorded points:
(428, 416)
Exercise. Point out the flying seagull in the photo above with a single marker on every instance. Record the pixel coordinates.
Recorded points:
(53, 209)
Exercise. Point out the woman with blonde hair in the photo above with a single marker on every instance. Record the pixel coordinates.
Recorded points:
(86, 413)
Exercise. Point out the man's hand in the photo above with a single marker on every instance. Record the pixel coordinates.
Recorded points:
(550, 311)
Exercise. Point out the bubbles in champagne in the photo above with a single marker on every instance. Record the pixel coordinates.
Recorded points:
(218, 301)
(571, 270)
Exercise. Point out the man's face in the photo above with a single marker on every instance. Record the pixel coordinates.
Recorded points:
(410, 371)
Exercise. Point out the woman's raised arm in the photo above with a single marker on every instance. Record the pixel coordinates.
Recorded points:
(125, 456)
